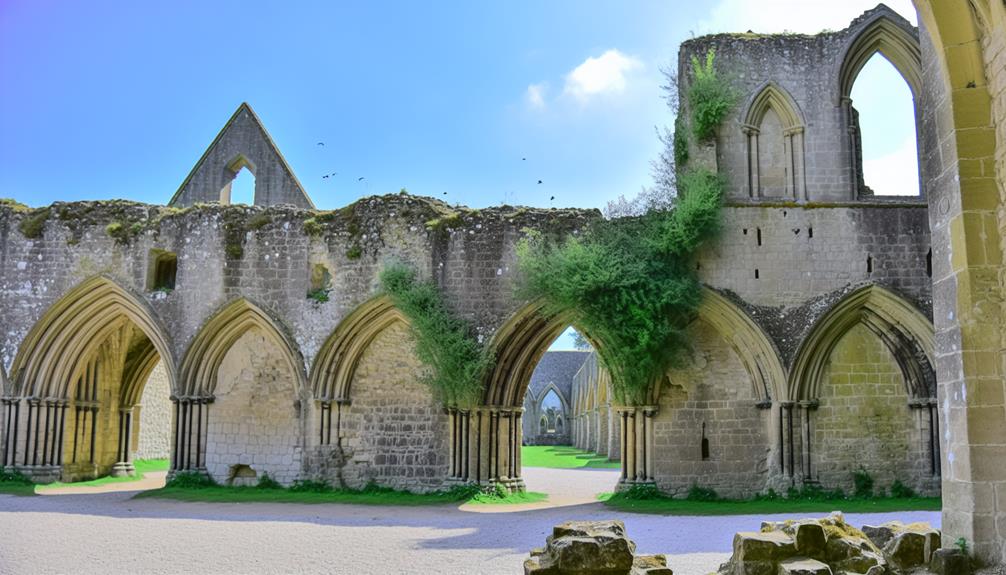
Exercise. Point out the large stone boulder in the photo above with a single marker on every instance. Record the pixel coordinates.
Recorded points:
(592, 548)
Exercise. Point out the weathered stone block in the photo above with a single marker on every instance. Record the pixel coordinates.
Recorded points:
(803, 566)
(651, 565)
(908, 549)
(950, 562)
(811, 540)
(757, 546)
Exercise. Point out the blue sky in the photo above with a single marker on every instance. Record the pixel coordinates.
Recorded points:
(119, 99)
(107, 99)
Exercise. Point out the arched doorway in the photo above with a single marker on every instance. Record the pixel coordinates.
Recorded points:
(77, 384)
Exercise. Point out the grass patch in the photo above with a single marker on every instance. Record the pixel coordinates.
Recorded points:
(142, 466)
(663, 505)
(184, 488)
(13, 483)
(509, 499)
(563, 457)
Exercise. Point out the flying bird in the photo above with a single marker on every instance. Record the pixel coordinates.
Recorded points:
(360, 179)
(552, 199)
(325, 177)
(445, 193)
(321, 143)
(539, 181)
(522, 159)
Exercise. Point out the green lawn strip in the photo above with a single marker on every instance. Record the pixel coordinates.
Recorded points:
(563, 457)
(221, 494)
(17, 488)
(511, 499)
(142, 466)
(669, 506)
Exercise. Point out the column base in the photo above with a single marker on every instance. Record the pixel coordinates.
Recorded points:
(123, 469)
(626, 484)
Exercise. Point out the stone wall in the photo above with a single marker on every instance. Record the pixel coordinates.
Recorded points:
(864, 387)
(254, 420)
(394, 432)
(712, 398)
(153, 439)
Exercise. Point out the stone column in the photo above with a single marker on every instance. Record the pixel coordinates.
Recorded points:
(754, 180)
(806, 407)
(123, 466)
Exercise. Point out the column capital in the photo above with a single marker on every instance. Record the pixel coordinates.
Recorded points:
(787, 404)
(809, 404)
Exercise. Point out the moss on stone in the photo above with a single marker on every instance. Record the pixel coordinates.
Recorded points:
(355, 252)
(33, 224)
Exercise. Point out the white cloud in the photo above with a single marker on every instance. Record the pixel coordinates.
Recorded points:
(895, 174)
(536, 95)
(605, 74)
(802, 16)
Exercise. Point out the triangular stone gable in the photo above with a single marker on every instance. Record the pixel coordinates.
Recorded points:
(242, 143)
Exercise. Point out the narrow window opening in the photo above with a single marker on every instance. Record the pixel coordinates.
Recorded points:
(241, 188)
(163, 271)
(759, 236)
(745, 231)
(810, 232)
(929, 263)
(756, 274)
(321, 283)
(869, 264)
(705, 443)
(784, 213)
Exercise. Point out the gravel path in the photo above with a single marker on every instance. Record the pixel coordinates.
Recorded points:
(110, 533)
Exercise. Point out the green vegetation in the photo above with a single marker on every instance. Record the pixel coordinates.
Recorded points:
(142, 467)
(319, 295)
(710, 97)
(259, 221)
(354, 252)
(563, 457)
(196, 487)
(657, 503)
(629, 282)
(13, 483)
(312, 227)
(962, 544)
(862, 484)
(123, 232)
(444, 342)
(33, 224)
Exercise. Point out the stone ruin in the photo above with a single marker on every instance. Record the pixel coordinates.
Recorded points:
(592, 548)
(830, 546)
(826, 546)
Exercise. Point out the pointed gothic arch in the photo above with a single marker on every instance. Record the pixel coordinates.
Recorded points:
(90, 355)
(50, 356)
(551, 387)
(207, 350)
(753, 347)
(890, 35)
(335, 365)
(886, 33)
(908, 335)
(781, 173)
(200, 370)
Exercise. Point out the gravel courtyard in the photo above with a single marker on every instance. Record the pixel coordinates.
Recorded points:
(110, 533)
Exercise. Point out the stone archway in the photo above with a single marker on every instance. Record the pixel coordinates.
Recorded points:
(964, 110)
(72, 410)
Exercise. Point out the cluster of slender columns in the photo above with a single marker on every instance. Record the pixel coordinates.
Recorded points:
(636, 433)
(191, 426)
(330, 421)
(485, 445)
